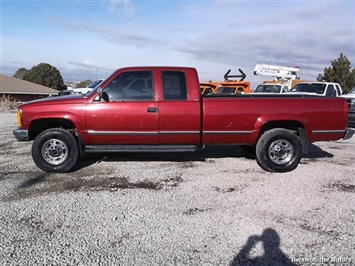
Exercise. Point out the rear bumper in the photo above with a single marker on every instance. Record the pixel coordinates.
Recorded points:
(349, 132)
(20, 134)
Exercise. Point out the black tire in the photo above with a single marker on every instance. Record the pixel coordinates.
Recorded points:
(279, 150)
(55, 150)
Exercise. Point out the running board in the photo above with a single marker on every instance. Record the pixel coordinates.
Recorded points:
(140, 148)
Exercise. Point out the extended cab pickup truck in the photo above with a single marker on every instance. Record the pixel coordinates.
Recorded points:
(161, 109)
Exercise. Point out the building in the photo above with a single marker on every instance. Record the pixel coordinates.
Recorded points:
(23, 91)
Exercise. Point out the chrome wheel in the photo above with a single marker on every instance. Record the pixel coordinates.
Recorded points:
(54, 151)
(281, 151)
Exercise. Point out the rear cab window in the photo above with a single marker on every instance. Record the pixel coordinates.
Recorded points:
(174, 85)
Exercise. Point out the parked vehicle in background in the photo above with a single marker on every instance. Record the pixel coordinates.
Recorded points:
(318, 88)
(284, 76)
(161, 109)
(88, 88)
(350, 98)
(230, 85)
(208, 87)
(66, 92)
(271, 88)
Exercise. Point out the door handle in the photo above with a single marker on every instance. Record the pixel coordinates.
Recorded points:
(152, 110)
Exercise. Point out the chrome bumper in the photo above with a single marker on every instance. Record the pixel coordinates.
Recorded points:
(349, 132)
(20, 134)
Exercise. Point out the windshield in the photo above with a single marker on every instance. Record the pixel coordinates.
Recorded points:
(94, 89)
(309, 87)
(94, 84)
(225, 90)
(268, 88)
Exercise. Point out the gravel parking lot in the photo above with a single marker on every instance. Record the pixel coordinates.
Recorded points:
(215, 207)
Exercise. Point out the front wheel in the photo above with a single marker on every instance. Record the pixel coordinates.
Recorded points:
(55, 150)
(279, 150)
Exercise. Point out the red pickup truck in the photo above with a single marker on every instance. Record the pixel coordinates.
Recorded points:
(161, 109)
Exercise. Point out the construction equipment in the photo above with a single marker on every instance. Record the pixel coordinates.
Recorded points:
(278, 72)
(284, 75)
(228, 86)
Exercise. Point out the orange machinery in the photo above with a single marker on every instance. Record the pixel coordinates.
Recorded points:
(228, 86)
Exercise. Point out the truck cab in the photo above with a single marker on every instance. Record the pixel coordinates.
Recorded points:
(319, 88)
(271, 88)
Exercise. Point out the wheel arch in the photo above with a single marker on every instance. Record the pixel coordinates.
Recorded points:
(295, 126)
(39, 125)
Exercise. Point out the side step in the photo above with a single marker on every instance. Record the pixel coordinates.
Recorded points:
(140, 148)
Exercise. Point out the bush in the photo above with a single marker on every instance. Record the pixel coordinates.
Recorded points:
(7, 103)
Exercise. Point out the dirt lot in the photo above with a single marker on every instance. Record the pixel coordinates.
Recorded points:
(215, 207)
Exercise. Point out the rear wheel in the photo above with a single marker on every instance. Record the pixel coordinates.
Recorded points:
(55, 150)
(279, 150)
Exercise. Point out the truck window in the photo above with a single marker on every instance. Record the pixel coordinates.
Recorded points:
(131, 85)
(331, 90)
(308, 87)
(174, 85)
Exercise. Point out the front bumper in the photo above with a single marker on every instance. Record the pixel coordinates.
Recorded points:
(20, 134)
(351, 118)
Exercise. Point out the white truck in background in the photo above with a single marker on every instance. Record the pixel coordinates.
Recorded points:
(284, 78)
(88, 88)
(318, 88)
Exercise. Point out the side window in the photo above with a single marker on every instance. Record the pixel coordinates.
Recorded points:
(174, 85)
(330, 90)
(132, 85)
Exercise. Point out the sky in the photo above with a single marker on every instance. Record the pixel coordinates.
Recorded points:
(86, 39)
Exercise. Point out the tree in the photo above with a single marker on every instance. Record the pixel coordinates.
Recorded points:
(20, 73)
(46, 75)
(340, 71)
(83, 84)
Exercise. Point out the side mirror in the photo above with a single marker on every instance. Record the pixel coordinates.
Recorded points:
(99, 92)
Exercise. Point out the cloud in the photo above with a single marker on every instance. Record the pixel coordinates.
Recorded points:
(212, 36)
(303, 35)
(126, 35)
(125, 5)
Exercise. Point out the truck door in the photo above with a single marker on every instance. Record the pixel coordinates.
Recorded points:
(127, 112)
(179, 109)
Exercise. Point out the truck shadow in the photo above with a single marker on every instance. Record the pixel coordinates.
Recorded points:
(204, 155)
(272, 254)
(32, 185)
(314, 152)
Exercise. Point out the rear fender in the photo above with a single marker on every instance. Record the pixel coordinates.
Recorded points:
(291, 122)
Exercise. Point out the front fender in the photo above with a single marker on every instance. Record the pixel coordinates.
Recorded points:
(78, 122)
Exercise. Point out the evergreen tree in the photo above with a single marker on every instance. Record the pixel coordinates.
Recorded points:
(83, 84)
(46, 75)
(340, 71)
(20, 73)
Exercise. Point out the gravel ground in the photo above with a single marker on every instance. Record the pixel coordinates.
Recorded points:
(215, 207)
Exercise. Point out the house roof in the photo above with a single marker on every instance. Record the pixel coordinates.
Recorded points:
(13, 85)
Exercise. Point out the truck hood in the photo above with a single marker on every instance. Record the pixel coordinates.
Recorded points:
(73, 98)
